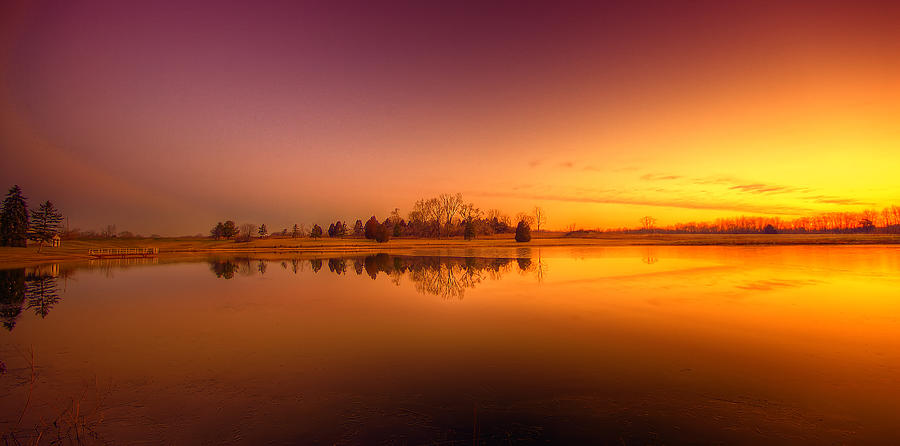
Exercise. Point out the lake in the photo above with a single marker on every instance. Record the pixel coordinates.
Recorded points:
(619, 345)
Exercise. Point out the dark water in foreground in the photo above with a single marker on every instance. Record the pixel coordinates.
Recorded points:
(692, 345)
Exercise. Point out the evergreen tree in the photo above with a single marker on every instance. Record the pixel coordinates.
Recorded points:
(358, 228)
(263, 232)
(381, 233)
(229, 229)
(14, 219)
(523, 232)
(295, 233)
(45, 223)
(371, 228)
(316, 232)
(218, 231)
(469, 232)
(331, 230)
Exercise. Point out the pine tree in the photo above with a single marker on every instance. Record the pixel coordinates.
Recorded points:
(218, 231)
(295, 232)
(382, 233)
(469, 232)
(14, 219)
(45, 223)
(523, 232)
(371, 228)
(358, 228)
(229, 229)
(316, 232)
(263, 232)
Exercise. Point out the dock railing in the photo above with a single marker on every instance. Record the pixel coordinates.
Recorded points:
(123, 252)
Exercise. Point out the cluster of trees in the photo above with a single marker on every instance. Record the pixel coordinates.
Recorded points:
(446, 215)
(868, 221)
(449, 215)
(17, 224)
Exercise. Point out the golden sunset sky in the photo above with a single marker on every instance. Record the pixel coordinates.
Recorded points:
(166, 117)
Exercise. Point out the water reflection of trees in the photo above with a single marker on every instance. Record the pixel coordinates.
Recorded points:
(23, 289)
(444, 276)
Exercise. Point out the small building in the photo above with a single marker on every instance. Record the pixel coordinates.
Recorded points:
(55, 241)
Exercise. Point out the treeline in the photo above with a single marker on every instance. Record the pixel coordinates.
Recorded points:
(18, 224)
(446, 215)
(868, 221)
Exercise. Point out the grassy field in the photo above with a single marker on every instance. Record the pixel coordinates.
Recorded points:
(182, 247)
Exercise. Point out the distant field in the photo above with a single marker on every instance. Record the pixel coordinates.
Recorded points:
(178, 247)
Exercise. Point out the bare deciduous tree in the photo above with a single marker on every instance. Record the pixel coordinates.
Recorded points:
(647, 222)
(540, 217)
(247, 230)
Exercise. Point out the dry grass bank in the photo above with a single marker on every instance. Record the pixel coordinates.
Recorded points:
(184, 247)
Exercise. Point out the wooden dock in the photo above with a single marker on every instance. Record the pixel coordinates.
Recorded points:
(123, 253)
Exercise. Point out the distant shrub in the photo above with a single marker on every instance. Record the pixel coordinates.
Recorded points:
(523, 232)
(769, 229)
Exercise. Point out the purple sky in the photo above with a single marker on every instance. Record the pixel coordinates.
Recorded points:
(165, 117)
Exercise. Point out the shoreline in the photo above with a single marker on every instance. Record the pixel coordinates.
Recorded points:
(77, 250)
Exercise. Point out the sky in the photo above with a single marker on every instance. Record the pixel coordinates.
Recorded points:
(166, 117)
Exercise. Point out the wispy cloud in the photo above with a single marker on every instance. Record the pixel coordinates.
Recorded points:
(660, 177)
(837, 200)
(672, 203)
(759, 188)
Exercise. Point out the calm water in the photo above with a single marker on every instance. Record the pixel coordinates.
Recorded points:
(663, 345)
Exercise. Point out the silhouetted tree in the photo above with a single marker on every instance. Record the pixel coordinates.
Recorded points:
(229, 229)
(14, 219)
(331, 230)
(523, 232)
(769, 229)
(316, 232)
(647, 222)
(397, 229)
(469, 232)
(247, 230)
(358, 230)
(263, 231)
(217, 231)
(371, 228)
(45, 221)
(540, 217)
(295, 232)
(381, 233)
